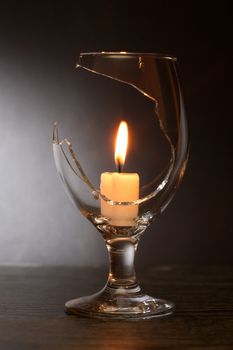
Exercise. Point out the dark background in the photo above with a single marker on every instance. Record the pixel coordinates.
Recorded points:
(39, 46)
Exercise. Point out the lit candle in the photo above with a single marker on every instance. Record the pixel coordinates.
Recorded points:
(120, 187)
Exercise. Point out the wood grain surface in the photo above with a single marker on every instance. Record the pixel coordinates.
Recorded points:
(32, 310)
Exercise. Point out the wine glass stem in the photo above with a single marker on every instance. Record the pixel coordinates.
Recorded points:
(121, 255)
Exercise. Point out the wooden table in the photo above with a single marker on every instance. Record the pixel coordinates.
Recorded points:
(32, 316)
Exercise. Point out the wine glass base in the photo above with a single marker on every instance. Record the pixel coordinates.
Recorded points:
(138, 307)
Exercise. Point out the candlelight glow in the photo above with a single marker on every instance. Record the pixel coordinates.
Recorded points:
(121, 144)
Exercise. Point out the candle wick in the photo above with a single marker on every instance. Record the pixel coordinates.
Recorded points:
(119, 167)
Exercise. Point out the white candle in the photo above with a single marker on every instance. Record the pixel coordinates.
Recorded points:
(120, 187)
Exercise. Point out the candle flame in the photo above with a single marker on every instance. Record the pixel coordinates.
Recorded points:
(121, 145)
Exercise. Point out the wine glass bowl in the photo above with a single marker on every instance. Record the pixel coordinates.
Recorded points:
(144, 91)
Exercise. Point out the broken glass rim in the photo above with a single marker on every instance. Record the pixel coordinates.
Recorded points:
(125, 53)
(74, 163)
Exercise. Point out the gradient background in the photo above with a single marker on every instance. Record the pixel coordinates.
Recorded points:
(39, 46)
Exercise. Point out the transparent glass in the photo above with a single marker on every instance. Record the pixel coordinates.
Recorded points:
(144, 90)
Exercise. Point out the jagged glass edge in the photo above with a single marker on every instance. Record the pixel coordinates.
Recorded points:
(95, 192)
